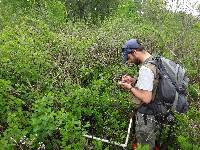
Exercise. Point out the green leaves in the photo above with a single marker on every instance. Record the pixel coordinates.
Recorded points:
(90, 10)
(194, 91)
(57, 77)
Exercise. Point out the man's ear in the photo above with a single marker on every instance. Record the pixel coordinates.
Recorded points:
(133, 51)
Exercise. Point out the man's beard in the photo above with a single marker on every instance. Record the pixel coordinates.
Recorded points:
(137, 62)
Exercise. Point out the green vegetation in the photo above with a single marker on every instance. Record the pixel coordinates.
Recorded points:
(58, 60)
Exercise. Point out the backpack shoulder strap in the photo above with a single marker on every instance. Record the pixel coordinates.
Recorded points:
(152, 66)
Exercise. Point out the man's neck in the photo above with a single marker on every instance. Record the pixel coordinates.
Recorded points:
(145, 57)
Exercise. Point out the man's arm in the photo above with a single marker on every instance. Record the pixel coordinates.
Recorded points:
(143, 95)
(144, 86)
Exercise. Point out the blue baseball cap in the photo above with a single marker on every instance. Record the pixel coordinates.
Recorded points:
(128, 47)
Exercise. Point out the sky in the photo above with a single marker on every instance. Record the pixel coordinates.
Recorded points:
(187, 6)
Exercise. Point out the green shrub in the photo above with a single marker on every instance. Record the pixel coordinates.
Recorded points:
(57, 77)
(90, 10)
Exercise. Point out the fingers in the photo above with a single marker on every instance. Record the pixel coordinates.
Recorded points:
(124, 85)
(127, 78)
(121, 82)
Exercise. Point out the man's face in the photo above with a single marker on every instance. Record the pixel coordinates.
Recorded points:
(132, 58)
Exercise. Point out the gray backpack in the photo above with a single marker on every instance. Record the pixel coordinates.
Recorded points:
(170, 94)
(172, 86)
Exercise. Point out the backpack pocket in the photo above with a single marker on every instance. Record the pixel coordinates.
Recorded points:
(166, 90)
(182, 104)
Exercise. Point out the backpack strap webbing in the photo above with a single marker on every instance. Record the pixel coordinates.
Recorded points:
(175, 102)
(155, 71)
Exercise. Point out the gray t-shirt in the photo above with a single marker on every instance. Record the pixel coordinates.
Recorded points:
(145, 79)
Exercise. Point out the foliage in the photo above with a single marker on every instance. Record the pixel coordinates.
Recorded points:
(90, 10)
(58, 74)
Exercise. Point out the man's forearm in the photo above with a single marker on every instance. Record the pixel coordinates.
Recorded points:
(144, 96)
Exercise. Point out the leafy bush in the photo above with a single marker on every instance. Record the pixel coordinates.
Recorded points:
(90, 10)
(57, 77)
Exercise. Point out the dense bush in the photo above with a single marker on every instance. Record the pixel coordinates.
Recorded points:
(90, 10)
(57, 77)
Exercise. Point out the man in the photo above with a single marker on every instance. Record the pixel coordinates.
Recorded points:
(146, 125)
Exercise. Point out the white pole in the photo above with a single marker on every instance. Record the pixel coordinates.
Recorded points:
(129, 129)
(104, 140)
(111, 142)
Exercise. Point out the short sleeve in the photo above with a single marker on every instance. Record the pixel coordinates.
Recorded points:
(145, 79)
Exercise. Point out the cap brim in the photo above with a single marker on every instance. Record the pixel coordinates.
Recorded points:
(125, 56)
(126, 51)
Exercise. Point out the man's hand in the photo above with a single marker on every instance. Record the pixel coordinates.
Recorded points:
(128, 79)
(143, 95)
(128, 87)
(125, 85)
